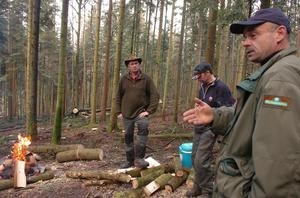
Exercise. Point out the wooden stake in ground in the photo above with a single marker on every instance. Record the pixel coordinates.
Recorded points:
(121, 177)
(158, 183)
(19, 174)
(80, 154)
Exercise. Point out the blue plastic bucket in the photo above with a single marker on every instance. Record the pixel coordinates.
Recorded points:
(185, 152)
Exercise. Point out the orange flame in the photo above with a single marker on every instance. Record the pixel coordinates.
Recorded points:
(20, 148)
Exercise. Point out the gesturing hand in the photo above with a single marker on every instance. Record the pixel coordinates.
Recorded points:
(201, 114)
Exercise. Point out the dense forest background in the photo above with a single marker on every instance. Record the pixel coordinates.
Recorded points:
(59, 55)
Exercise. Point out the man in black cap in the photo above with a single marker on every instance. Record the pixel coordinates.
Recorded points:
(136, 99)
(260, 156)
(216, 94)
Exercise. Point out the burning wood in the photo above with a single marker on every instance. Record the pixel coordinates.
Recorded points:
(19, 152)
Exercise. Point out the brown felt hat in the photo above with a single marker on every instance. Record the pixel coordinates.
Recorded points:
(133, 57)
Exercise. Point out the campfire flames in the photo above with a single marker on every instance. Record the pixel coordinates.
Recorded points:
(19, 150)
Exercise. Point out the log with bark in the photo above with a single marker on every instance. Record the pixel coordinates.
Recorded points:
(157, 184)
(97, 174)
(190, 179)
(144, 180)
(98, 182)
(134, 193)
(175, 182)
(80, 154)
(167, 168)
(50, 150)
(9, 183)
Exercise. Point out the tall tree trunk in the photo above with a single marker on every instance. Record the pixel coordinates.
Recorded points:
(146, 46)
(179, 62)
(95, 66)
(106, 64)
(169, 62)
(211, 34)
(32, 67)
(113, 115)
(158, 62)
(56, 133)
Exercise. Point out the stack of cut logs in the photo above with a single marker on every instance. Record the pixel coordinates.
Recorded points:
(145, 182)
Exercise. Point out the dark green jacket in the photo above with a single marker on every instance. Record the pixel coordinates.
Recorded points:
(260, 155)
(136, 96)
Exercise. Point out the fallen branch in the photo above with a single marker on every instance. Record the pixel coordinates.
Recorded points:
(80, 154)
(98, 182)
(121, 177)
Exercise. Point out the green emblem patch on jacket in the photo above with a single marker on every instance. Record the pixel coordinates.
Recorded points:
(281, 102)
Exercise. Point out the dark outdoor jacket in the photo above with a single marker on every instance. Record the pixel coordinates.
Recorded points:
(216, 94)
(136, 96)
(260, 155)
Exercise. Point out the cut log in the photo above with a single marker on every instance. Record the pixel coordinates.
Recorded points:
(9, 183)
(121, 177)
(98, 182)
(134, 193)
(167, 168)
(40, 177)
(136, 172)
(53, 149)
(19, 174)
(80, 154)
(174, 183)
(143, 181)
(190, 179)
(157, 184)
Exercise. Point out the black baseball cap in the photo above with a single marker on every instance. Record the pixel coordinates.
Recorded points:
(273, 15)
(201, 68)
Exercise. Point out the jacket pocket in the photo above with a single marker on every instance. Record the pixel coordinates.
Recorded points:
(234, 177)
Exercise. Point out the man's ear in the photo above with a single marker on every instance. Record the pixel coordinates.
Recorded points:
(281, 33)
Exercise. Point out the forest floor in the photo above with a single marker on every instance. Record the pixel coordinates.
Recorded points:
(161, 149)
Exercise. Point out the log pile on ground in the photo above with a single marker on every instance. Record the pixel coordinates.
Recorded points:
(144, 182)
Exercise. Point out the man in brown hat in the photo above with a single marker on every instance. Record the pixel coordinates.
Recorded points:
(137, 98)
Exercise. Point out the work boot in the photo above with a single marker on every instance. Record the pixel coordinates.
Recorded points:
(194, 192)
(126, 164)
(141, 163)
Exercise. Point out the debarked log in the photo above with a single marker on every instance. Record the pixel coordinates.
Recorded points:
(98, 182)
(134, 193)
(97, 174)
(157, 184)
(143, 181)
(80, 154)
(9, 183)
(53, 148)
(175, 182)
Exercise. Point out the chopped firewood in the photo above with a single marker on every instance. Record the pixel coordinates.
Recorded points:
(80, 154)
(136, 172)
(174, 183)
(9, 183)
(167, 168)
(144, 180)
(134, 193)
(98, 182)
(97, 174)
(157, 184)
(19, 174)
(190, 179)
(51, 149)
